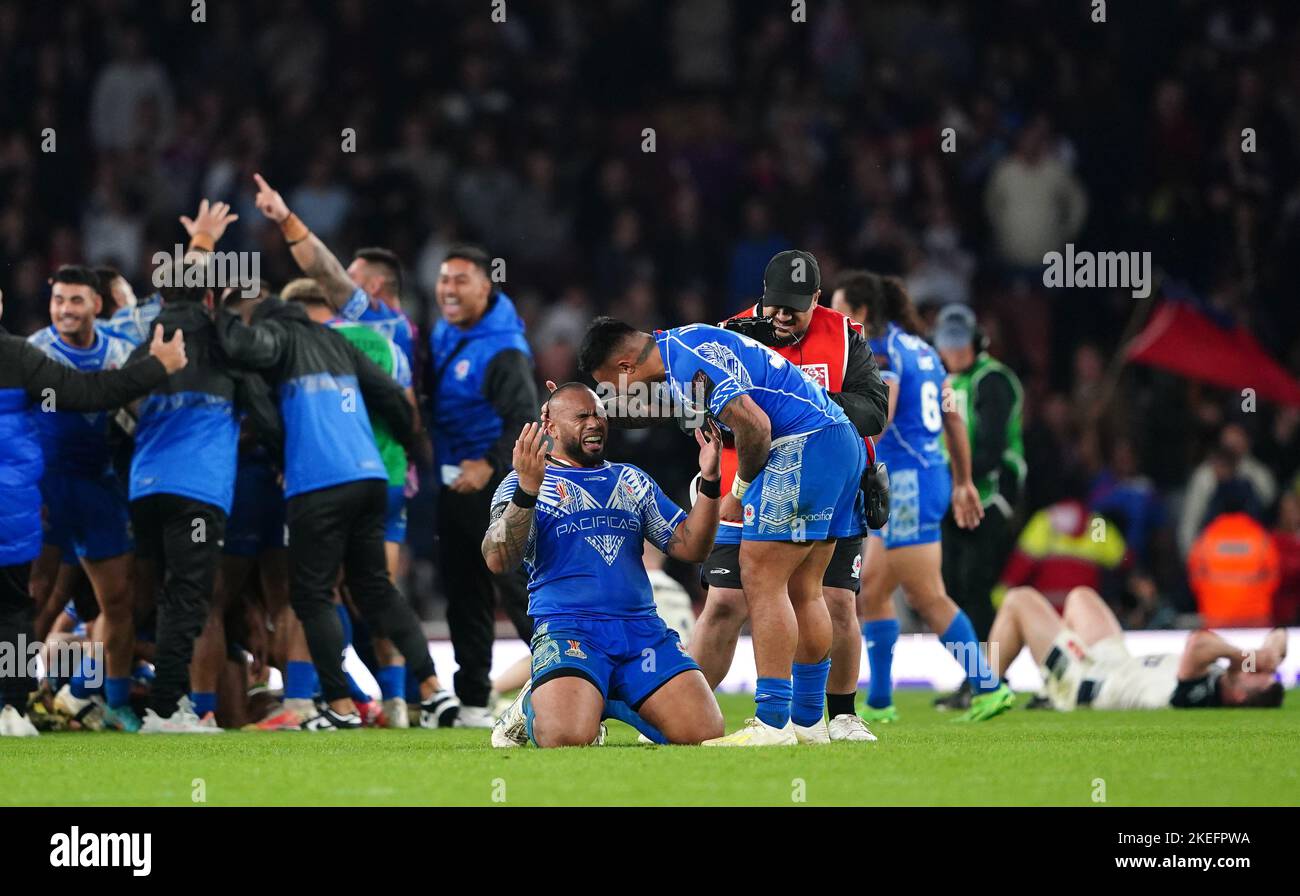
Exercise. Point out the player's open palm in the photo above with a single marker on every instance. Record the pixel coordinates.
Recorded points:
(530, 457)
(212, 219)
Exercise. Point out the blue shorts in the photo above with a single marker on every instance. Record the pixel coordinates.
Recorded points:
(256, 522)
(395, 521)
(626, 659)
(88, 517)
(810, 490)
(918, 500)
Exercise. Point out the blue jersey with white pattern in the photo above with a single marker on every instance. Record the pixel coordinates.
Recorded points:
(912, 438)
(584, 551)
(364, 309)
(73, 442)
(727, 365)
(133, 324)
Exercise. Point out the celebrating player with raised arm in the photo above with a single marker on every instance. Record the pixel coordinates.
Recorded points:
(799, 469)
(577, 522)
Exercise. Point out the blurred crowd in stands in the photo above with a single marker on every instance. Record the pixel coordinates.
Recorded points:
(650, 156)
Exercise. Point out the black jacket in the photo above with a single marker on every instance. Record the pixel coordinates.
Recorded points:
(326, 388)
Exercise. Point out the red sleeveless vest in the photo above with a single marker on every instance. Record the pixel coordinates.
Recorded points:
(822, 354)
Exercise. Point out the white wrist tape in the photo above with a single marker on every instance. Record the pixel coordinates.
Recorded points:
(738, 488)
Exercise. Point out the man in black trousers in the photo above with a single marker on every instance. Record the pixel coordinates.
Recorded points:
(482, 393)
(30, 379)
(337, 492)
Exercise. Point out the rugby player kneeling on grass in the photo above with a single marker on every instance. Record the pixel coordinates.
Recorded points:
(1085, 663)
(577, 522)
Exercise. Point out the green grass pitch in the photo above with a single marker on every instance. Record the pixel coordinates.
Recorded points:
(1170, 757)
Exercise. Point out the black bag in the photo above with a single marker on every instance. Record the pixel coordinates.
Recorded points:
(875, 493)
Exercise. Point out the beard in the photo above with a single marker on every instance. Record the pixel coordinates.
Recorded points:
(588, 457)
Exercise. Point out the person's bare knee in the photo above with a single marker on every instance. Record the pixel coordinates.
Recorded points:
(566, 712)
(726, 606)
(842, 605)
(684, 710)
(1082, 602)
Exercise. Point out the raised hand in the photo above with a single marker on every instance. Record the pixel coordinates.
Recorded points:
(529, 457)
(709, 438)
(268, 201)
(211, 219)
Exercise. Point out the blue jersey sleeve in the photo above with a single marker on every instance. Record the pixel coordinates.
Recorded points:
(401, 368)
(702, 359)
(502, 495)
(659, 514)
(356, 305)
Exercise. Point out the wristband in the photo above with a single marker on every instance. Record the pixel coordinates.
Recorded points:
(293, 229)
(202, 241)
(738, 488)
(710, 488)
(522, 499)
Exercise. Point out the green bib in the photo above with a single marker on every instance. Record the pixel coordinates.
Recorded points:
(379, 348)
(964, 386)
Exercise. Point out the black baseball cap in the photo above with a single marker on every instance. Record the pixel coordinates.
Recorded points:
(791, 280)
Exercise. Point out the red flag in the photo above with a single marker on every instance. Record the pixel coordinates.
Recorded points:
(1183, 340)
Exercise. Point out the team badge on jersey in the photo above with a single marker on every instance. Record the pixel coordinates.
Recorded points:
(575, 650)
(818, 373)
(749, 513)
(461, 370)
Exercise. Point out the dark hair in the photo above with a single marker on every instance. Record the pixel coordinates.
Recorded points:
(178, 292)
(1269, 697)
(387, 260)
(81, 276)
(107, 274)
(856, 286)
(898, 306)
(475, 255)
(601, 340)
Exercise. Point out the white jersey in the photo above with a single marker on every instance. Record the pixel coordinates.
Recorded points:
(1139, 682)
(1116, 679)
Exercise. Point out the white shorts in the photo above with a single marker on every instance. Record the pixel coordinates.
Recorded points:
(1118, 679)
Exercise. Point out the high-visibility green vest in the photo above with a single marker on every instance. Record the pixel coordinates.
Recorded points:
(964, 386)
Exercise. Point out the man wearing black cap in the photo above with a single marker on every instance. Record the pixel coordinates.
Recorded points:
(988, 396)
(830, 349)
(799, 465)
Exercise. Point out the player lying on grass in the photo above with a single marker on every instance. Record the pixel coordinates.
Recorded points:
(578, 522)
(1085, 663)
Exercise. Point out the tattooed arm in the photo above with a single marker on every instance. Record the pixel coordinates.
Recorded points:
(512, 522)
(313, 256)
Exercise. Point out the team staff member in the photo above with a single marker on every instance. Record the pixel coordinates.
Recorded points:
(337, 492)
(831, 349)
(28, 378)
(989, 399)
(483, 393)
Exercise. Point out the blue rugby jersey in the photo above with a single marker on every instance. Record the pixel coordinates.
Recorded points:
(913, 438)
(728, 365)
(376, 315)
(584, 551)
(72, 442)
